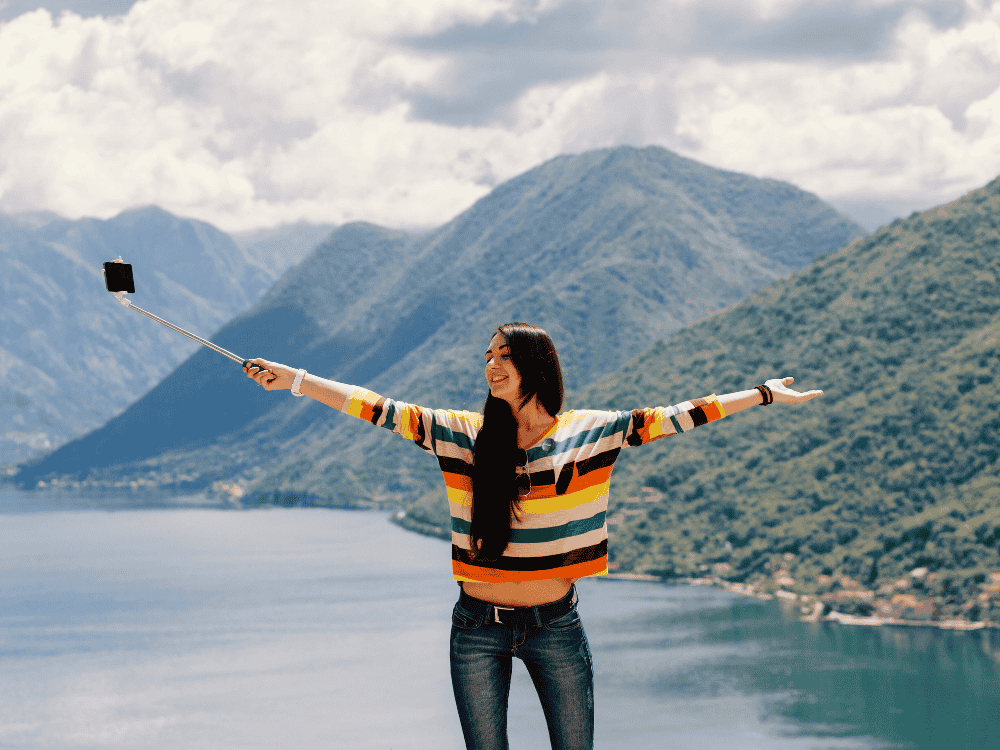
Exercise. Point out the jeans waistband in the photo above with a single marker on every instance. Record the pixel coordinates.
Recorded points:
(537, 616)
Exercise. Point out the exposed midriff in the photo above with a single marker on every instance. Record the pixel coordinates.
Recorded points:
(520, 593)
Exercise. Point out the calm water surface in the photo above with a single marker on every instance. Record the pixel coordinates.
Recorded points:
(329, 629)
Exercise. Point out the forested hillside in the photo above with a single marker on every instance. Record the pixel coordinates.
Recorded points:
(886, 486)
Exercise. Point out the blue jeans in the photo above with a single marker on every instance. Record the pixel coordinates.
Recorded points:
(555, 651)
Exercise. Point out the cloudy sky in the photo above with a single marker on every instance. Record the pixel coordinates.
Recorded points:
(253, 113)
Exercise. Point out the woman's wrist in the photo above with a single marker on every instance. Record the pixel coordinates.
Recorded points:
(297, 382)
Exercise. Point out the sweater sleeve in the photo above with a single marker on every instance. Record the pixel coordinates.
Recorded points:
(437, 431)
(646, 425)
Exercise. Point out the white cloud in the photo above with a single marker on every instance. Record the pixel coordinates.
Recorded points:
(242, 113)
(250, 113)
(916, 130)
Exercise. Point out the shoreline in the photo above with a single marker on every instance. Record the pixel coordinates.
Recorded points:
(819, 612)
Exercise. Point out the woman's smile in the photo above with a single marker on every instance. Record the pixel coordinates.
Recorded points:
(500, 372)
(498, 381)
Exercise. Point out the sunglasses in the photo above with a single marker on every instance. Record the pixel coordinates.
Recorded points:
(522, 479)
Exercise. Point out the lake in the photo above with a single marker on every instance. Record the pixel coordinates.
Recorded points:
(309, 628)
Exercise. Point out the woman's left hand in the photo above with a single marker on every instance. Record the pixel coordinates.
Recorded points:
(784, 394)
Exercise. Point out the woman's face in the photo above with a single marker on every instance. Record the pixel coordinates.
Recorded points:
(501, 375)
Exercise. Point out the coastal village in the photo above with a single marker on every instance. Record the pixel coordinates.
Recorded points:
(902, 602)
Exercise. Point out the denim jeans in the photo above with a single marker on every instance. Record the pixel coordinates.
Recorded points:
(557, 656)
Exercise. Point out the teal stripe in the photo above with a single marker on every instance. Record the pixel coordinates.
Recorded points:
(551, 534)
(536, 536)
(389, 415)
(442, 432)
(586, 437)
(676, 425)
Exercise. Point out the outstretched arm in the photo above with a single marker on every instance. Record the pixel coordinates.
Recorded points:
(278, 377)
(734, 402)
(431, 429)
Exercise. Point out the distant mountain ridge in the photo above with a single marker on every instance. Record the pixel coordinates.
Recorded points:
(279, 248)
(608, 250)
(79, 356)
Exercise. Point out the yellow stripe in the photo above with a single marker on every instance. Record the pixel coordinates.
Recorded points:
(656, 428)
(459, 496)
(357, 402)
(565, 502)
(406, 417)
(570, 417)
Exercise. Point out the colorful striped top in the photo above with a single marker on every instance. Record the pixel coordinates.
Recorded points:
(562, 532)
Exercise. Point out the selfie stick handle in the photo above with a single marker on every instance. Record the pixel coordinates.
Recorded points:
(199, 339)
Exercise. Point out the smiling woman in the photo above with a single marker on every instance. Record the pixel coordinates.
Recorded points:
(528, 490)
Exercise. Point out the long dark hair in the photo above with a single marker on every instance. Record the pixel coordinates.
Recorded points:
(495, 503)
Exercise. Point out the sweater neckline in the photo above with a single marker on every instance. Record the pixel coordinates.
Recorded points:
(552, 427)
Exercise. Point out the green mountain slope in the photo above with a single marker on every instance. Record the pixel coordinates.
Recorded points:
(894, 469)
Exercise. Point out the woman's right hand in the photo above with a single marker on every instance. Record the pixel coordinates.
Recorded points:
(273, 376)
(785, 395)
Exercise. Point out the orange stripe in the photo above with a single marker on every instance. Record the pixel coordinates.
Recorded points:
(492, 575)
(576, 484)
(712, 410)
(457, 481)
(542, 490)
(597, 476)
(489, 575)
(590, 568)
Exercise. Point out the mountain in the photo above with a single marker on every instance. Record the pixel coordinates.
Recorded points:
(885, 488)
(78, 356)
(608, 250)
(279, 248)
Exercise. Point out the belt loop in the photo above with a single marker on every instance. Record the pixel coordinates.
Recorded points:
(538, 617)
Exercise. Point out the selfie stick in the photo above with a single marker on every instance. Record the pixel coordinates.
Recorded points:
(199, 339)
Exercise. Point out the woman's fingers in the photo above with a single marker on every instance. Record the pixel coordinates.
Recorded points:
(257, 369)
(271, 376)
(807, 396)
(253, 367)
(779, 387)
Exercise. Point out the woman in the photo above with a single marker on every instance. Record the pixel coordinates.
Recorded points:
(528, 491)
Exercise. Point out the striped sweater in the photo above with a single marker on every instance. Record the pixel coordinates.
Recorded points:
(562, 532)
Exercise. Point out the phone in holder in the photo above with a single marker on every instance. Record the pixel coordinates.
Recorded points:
(118, 277)
(118, 280)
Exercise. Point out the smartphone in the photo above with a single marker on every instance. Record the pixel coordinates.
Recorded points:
(118, 277)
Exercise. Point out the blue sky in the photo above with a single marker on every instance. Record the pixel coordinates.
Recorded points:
(253, 113)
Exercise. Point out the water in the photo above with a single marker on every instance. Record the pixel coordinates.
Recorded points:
(202, 628)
